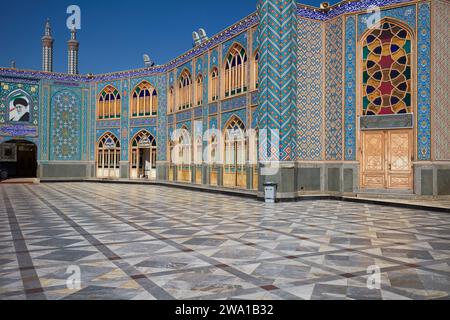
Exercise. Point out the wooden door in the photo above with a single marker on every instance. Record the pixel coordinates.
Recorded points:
(399, 160)
(373, 160)
(387, 159)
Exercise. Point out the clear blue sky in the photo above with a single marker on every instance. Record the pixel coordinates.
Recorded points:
(114, 34)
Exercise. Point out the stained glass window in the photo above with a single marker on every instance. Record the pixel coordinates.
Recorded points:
(387, 71)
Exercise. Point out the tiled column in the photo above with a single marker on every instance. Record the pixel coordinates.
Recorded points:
(277, 92)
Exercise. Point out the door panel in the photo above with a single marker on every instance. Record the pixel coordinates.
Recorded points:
(373, 160)
(399, 160)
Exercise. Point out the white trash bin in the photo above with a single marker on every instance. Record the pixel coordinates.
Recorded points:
(270, 192)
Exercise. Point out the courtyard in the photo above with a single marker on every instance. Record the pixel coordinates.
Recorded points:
(152, 242)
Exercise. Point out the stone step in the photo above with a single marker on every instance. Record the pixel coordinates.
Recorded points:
(390, 195)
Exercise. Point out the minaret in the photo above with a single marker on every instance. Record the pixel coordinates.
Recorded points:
(73, 45)
(47, 48)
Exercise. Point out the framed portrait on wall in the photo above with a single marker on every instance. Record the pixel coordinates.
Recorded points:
(19, 108)
(8, 152)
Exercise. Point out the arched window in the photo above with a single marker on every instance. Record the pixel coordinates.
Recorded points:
(235, 154)
(256, 70)
(109, 104)
(184, 91)
(108, 156)
(236, 71)
(184, 155)
(214, 87)
(184, 142)
(198, 151)
(199, 90)
(171, 100)
(144, 102)
(387, 71)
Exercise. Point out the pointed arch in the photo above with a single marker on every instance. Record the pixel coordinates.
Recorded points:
(387, 72)
(235, 70)
(144, 100)
(109, 103)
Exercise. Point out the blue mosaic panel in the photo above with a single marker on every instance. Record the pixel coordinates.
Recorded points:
(199, 66)
(66, 126)
(108, 124)
(405, 14)
(241, 114)
(44, 152)
(183, 116)
(141, 122)
(198, 112)
(310, 82)
(213, 108)
(187, 124)
(235, 103)
(93, 138)
(187, 65)
(101, 132)
(333, 90)
(213, 123)
(350, 89)
(214, 59)
(242, 39)
(424, 79)
(161, 86)
(255, 37)
(255, 116)
(152, 130)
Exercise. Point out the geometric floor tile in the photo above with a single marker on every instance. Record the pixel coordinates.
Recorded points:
(135, 242)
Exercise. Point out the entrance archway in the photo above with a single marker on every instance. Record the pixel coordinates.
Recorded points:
(18, 159)
(387, 110)
(143, 156)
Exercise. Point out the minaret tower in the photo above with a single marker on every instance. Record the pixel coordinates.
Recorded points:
(47, 48)
(73, 45)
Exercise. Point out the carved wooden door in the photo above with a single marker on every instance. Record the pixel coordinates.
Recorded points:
(387, 159)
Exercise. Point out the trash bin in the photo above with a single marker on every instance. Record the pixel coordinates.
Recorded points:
(270, 192)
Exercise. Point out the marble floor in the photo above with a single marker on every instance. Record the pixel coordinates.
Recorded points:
(151, 242)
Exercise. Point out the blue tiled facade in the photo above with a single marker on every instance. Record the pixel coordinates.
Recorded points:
(309, 88)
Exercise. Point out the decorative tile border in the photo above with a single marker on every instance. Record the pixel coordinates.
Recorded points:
(350, 89)
(183, 116)
(108, 124)
(424, 79)
(18, 131)
(136, 122)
